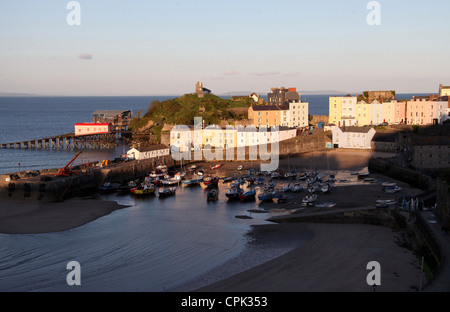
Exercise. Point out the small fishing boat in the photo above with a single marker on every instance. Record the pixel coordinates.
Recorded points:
(386, 201)
(388, 184)
(196, 180)
(207, 180)
(310, 200)
(233, 193)
(108, 187)
(211, 182)
(280, 197)
(227, 179)
(166, 191)
(171, 181)
(213, 195)
(145, 190)
(267, 195)
(274, 175)
(159, 172)
(297, 188)
(325, 188)
(393, 189)
(363, 175)
(200, 173)
(287, 188)
(124, 189)
(216, 166)
(248, 196)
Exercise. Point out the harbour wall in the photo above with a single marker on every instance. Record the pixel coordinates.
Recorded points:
(45, 186)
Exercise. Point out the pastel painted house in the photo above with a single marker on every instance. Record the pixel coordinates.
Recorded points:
(394, 112)
(353, 137)
(423, 110)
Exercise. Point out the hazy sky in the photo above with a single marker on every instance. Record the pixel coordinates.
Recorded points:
(141, 47)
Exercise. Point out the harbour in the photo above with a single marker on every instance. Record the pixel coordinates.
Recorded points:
(213, 258)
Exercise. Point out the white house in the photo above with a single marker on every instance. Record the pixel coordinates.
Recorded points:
(298, 114)
(376, 113)
(353, 137)
(152, 151)
(349, 110)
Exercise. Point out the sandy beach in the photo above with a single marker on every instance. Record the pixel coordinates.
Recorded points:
(34, 217)
(334, 260)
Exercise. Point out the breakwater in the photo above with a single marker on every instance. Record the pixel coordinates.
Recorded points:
(44, 185)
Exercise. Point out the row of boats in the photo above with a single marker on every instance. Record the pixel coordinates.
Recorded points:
(146, 188)
(165, 184)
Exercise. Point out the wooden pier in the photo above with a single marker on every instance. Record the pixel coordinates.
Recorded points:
(68, 141)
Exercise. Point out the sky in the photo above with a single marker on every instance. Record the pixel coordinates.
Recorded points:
(146, 47)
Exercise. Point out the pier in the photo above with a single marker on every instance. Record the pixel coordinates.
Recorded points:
(68, 141)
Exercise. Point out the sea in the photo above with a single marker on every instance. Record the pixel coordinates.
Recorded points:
(179, 243)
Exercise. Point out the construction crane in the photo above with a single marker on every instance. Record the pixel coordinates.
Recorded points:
(65, 171)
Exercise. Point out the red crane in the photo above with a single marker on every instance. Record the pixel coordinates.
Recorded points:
(65, 172)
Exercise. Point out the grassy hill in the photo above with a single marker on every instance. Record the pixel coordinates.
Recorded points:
(183, 110)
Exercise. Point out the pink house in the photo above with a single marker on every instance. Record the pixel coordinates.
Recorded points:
(425, 110)
(394, 112)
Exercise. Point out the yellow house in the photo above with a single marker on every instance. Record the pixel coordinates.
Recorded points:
(268, 115)
(335, 110)
(444, 90)
(362, 114)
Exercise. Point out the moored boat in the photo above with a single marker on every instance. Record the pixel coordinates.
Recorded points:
(210, 181)
(124, 189)
(267, 195)
(233, 193)
(280, 197)
(147, 189)
(310, 199)
(297, 188)
(109, 187)
(393, 189)
(166, 191)
(216, 166)
(248, 196)
(388, 184)
(213, 195)
(196, 180)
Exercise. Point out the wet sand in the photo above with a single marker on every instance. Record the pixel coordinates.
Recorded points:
(34, 217)
(334, 260)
